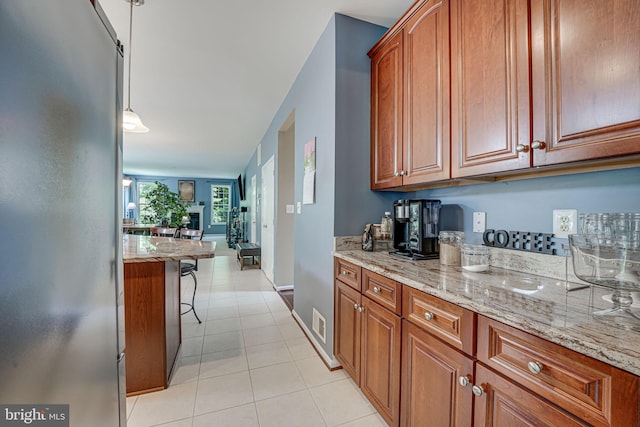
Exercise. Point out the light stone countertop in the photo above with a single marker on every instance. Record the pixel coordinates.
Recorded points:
(152, 248)
(535, 304)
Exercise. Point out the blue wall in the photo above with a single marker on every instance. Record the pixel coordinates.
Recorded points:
(203, 194)
(331, 101)
(528, 205)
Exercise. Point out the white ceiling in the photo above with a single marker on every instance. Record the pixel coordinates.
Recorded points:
(208, 76)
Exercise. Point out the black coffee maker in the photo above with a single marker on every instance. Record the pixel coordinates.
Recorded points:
(416, 228)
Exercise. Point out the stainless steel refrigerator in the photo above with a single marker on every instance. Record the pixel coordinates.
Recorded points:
(60, 208)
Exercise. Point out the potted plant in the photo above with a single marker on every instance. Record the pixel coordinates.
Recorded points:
(164, 206)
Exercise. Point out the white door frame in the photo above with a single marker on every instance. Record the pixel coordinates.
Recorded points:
(267, 214)
(254, 206)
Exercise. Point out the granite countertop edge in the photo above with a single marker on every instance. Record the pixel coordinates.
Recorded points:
(140, 249)
(608, 344)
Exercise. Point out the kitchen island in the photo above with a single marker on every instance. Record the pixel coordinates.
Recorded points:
(152, 306)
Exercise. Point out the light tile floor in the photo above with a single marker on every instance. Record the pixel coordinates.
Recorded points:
(248, 364)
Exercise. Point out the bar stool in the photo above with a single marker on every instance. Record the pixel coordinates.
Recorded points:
(189, 268)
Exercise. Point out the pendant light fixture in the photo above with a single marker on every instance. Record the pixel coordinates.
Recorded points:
(131, 122)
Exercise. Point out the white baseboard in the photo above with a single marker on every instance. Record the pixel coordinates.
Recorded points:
(330, 361)
(283, 287)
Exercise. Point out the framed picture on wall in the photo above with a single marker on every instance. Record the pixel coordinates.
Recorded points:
(187, 191)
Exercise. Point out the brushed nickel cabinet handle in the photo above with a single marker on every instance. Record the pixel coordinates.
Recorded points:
(464, 380)
(376, 289)
(477, 390)
(535, 367)
(429, 316)
(538, 145)
(521, 148)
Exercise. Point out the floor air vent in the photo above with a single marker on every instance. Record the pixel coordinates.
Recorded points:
(319, 325)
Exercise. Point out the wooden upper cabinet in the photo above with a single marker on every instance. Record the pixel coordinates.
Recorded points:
(586, 79)
(490, 103)
(410, 100)
(426, 94)
(386, 114)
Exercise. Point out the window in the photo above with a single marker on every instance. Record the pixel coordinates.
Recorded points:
(144, 213)
(220, 203)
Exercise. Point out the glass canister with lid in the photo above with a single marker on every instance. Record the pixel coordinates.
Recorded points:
(450, 243)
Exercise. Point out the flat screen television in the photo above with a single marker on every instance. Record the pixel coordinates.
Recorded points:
(240, 187)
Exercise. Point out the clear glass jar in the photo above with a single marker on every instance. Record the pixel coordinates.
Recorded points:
(386, 225)
(475, 257)
(450, 242)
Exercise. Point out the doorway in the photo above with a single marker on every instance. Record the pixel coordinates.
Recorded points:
(267, 217)
(285, 212)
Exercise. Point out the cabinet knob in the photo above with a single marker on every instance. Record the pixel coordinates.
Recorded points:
(538, 145)
(535, 367)
(356, 306)
(464, 381)
(429, 315)
(477, 390)
(521, 148)
(360, 309)
(345, 273)
(402, 173)
(397, 173)
(376, 289)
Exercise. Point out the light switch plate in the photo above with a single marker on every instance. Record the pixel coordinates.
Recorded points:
(299, 207)
(479, 222)
(291, 209)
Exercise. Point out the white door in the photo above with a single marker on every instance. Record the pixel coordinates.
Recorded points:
(254, 205)
(266, 215)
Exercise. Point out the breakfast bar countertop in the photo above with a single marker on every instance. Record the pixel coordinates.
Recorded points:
(152, 248)
(535, 304)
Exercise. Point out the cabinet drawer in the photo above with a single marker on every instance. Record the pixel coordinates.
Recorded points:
(455, 325)
(347, 273)
(590, 389)
(386, 292)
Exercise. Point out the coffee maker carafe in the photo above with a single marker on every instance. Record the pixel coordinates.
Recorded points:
(416, 228)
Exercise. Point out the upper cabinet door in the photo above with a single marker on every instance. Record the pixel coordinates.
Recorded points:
(386, 115)
(490, 114)
(586, 79)
(427, 94)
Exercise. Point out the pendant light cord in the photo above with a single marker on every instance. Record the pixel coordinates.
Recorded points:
(130, 37)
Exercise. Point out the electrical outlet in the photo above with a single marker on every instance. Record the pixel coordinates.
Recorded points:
(479, 222)
(565, 222)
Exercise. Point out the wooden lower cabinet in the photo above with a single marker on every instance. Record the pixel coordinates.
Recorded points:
(590, 389)
(347, 328)
(415, 375)
(380, 359)
(503, 403)
(432, 390)
(367, 344)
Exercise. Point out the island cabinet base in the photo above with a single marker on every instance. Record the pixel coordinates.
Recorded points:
(152, 324)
